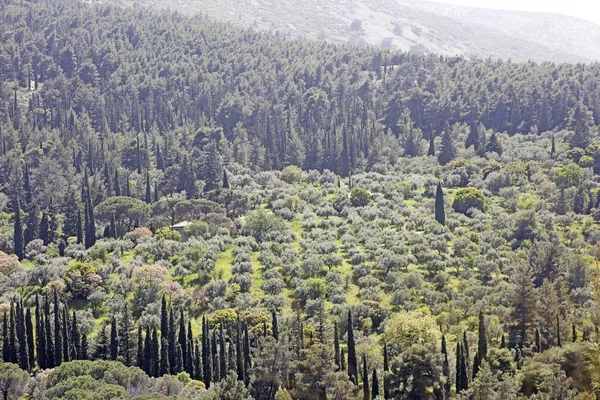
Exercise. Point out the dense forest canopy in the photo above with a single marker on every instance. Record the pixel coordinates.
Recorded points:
(189, 209)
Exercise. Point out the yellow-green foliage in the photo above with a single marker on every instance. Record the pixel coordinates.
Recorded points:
(412, 327)
(466, 198)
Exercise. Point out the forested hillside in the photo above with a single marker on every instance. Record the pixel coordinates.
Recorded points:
(416, 26)
(194, 211)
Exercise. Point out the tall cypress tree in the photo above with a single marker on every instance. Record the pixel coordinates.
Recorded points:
(124, 337)
(573, 333)
(558, 340)
(172, 344)
(440, 214)
(22, 338)
(182, 337)
(156, 194)
(18, 231)
(352, 362)
(239, 354)
(75, 338)
(155, 348)
(215, 356)
(476, 364)
(79, 227)
(447, 151)
(84, 347)
(160, 161)
(431, 150)
(553, 148)
(374, 385)
(45, 229)
(336, 345)
(366, 391)
(30, 338)
(165, 368)
(482, 346)
(48, 331)
(5, 340)
(247, 359)
(26, 185)
(140, 349)
(222, 358)
(116, 185)
(58, 339)
(40, 335)
(65, 333)
(148, 198)
(114, 339)
(343, 359)
(275, 325)
(459, 379)
(189, 361)
(32, 225)
(198, 373)
(13, 357)
(538, 341)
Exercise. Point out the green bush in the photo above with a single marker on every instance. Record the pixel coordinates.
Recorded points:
(467, 198)
(167, 234)
(360, 197)
(292, 174)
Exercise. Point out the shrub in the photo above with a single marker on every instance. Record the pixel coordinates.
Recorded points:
(467, 198)
(292, 174)
(167, 234)
(360, 197)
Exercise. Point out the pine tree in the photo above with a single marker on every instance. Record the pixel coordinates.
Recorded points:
(440, 214)
(447, 151)
(374, 385)
(114, 339)
(18, 232)
(482, 346)
(352, 362)
(366, 391)
(336, 345)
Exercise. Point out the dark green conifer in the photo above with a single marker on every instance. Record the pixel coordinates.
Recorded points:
(30, 338)
(27, 186)
(459, 378)
(374, 385)
(172, 344)
(148, 197)
(45, 229)
(58, 338)
(13, 356)
(32, 225)
(447, 151)
(189, 361)
(156, 194)
(482, 345)
(5, 339)
(154, 363)
(247, 359)
(553, 148)
(503, 342)
(343, 359)
(225, 180)
(164, 318)
(140, 350)
(23, 349)
(558, 341)
(116, 185)
(431, 150)
(573, 333)
(336, 345)
(538, 344)
(275, 325)
(18, 232)
(352, 362)
(476, 364)
(65, 334)
(182, 339)
(215, 357)
(198, 375)
(75, 339)
(160, 161)
(114, 339)
(440, 214)
(48, 331)
(79, 227)
(84, 347)
(365, 375)
(222, 357)
(239, 352)
(165, 368)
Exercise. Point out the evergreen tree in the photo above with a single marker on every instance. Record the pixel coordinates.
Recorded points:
(225, 180)
(440, 214)
(65, 334)
(13, 356)
(493, 145)
(374, 385)
(222, 357)
(538, 342)
(49, 340)
(239, 354)
(581, 124)
(70, 210)
(573, 333)
(107, 181)
(198, 373)
(40, 335)
(114, 339)
(125, 328)
(366, 391)
(84, 347)
(45, 229)
(275, 325)
(160, 161)
(58, 338)
(27, 186)
(343, 360)
(79, 227)
(553, 148)
(155, 349)
(148, 197)
(156, 194)
(30, 338)
(447, 151)
(558, 341)
(23, 349)
(336, 345)
(182, 339)
(352, 362)
(482, 346)
(32, 225)
(116, 185)
(476, 364)
(140, 349)
(459, 378)
(473, 137)
(165, 368)
(18, 232)
(172, 344)
(464, 369)
(247, 359)
(101, 351)
(5, 340)
(431, 150)
(75, 339)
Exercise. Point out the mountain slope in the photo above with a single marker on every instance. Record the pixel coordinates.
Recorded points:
(409, 25)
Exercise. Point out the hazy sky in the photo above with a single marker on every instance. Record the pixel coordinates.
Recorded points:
(585, 9)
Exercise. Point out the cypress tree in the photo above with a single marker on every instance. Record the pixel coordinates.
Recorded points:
(446, 373)
(215, 357)
(366, 391)
(538, 344)
(476, 364)
(275, 325)
(79, 228)
(444, 348)
(90, 158)
(447, 151)
(45, 229)
(225, 180)
(101, 351)
(138, 155)
(440, 214)
(124, 337)
(156, 194)
(116, 185)
(65, 334)
(343, 360)
(32, 226)
(189, 361)
(464, 369)
(48, 331)
(503, 342)
(247, 359)
(482, 346)
(160, 161)
(208, 370)
(553, 148)
(75, 338)
(107, 182)
(113, 227)
(18, 232)
(164, 318)
(265, 328)
(573, 333)
(140, 349)
(182, 337)
(148, 352)
(352, 362)
(466, 354)
(336, 345)
(40, 335)
(148, 198)
(154, 363)
(198, 375)
(5, 340)
(127, 188)
(84, 347)
(114, 339)
(30, 338)
(374, 385)
(558, 341)
(238, 351)
(459, 379)
(180, 361)
(165, 368)
(90, 232)
(172, 344)
(13, 356)
(58, 338)
(26, 185)
(222, 358)
(431, 151)
(22, 338)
